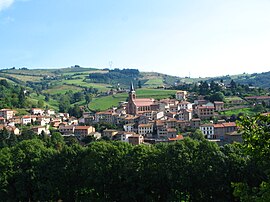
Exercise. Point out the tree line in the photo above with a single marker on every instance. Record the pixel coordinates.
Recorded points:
(50, 169)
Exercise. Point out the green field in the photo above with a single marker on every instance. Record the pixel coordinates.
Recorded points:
(62, 89)
(101, 87)
(154, 82)
(246, 111)
(106, 102)
(232, 98)
(26, 78)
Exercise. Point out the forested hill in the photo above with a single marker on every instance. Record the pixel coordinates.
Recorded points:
(256, 79)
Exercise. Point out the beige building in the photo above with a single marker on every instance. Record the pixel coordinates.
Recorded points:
(109, 133)
(83, 131)
(6, 113)
(181, 95)
(219, 106)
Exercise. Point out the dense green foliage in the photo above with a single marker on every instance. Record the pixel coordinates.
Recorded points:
(115, 76)
(48, 169)
(12, 96)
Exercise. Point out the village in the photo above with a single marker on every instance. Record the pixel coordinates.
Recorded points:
(138, 121)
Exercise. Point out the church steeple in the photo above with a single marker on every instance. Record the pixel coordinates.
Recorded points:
(132, 93)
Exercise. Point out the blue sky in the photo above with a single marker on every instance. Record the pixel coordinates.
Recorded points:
(176, 37)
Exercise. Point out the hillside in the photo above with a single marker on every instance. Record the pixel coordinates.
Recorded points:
(50, 85)
(46, 87)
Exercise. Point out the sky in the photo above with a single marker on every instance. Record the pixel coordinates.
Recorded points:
(197, 38)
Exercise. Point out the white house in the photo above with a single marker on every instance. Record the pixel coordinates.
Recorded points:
(37, 111)
(184, 105)
(129, 127)
(208, 130)
(145, 129)
(26, 119)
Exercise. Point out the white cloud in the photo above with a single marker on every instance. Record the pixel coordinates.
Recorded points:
(5, 4)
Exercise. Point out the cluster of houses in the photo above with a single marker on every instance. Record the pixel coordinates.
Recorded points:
(142, 120)
(151, 120)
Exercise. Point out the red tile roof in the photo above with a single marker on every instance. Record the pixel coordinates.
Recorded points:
(178, 137)
(140, 102)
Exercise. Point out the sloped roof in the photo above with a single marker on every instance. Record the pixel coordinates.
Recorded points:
(140, 102)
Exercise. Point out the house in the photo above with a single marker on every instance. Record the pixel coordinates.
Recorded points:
(181, 95)
(130, 127)
(184, 115)
(205, 112)
(135, 139)
(50, 112)
(66, 129)
(195, 123)
(145, 129)
(82, 131)
(182, 124)
(109, 133)
(15, 120)
(171, 123)
(223, 128)
(105, 116)
(173, 108)
(37, 111)
(26, 120)
(171, 133)
(39, 129)
(123, 136)
(6, 113)
(184, 105)
(219, 106)
(73, 121)
(208, 130)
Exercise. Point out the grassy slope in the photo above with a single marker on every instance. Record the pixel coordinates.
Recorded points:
(246, 111)
(62, 89)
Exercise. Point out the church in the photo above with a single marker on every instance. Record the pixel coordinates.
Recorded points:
(137, 106)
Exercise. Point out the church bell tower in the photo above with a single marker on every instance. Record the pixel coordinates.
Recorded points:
(132, 93)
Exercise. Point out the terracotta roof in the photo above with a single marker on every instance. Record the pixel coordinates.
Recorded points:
(178, 137)
(66, 127)
(207, 125)
(145, 125)
(82, 127)
(229, 124)
(206, 107)
(139, 102)
(218, 125)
